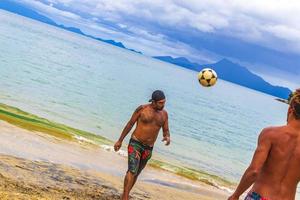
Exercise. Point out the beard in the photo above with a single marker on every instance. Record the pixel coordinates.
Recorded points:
(159, 108)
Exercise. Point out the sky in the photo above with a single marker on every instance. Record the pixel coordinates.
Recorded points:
(264, 35)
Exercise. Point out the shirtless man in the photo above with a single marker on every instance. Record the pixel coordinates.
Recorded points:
(275, 167)
(150, 119)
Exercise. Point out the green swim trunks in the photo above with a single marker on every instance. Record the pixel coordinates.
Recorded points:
(138, 156)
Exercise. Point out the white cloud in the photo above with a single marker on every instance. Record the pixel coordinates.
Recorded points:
(270, 23)
(256, 21)
(151, 44)
(50, 10)
(283, 32)
(96, 27)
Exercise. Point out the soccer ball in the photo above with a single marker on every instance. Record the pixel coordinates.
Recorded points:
(207, 77)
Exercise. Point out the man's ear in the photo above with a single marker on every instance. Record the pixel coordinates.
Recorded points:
(290, 110)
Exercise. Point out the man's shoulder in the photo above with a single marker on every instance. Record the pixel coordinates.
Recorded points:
(141, 107)
(272, 131)
(165, 112)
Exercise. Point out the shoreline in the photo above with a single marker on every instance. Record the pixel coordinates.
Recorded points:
(35, 124)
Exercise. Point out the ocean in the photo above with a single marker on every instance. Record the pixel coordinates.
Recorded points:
(94, 86)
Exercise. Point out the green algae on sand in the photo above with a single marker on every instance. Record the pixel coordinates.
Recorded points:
(32, 122)
(193, 174)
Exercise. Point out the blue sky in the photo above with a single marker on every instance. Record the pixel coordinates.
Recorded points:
(261, 35)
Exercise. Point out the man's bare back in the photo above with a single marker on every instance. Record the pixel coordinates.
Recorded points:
(274, 169)
(280, 174)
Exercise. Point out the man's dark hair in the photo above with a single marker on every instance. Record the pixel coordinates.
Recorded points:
(157, 95)
(290, 97)
(295, 103)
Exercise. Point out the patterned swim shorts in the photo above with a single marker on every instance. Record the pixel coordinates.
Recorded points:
(138, 156)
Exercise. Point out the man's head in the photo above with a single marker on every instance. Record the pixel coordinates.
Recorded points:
(294, 109)
(158, 99)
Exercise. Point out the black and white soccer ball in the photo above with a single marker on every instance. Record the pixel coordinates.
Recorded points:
(207, 77)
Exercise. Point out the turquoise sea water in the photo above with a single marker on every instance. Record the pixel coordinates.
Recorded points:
(94, 86)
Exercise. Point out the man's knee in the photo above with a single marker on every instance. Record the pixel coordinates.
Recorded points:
(141, 168)
(132, 174)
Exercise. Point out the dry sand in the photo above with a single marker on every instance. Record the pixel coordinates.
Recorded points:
(38, 166)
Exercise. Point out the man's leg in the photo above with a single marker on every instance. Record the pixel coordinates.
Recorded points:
(134, 156)
(142, 164)
(129, 181)
(134, 181)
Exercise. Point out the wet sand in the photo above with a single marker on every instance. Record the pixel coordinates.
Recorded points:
(34, 165)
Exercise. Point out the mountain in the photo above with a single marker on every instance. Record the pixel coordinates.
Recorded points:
(229, 46)
(234, 73)
(19, 9)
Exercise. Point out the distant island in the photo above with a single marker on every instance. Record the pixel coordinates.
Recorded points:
(226, 69)
(234, 73)
(282, 100)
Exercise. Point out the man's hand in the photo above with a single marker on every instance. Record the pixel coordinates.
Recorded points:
(167, 139)
(117, 145)
(232, 197)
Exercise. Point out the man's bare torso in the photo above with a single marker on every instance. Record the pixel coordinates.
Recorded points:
(280, 174)
(148, 125)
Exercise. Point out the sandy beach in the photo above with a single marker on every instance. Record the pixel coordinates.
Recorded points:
(72, 76)
(35, 165)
